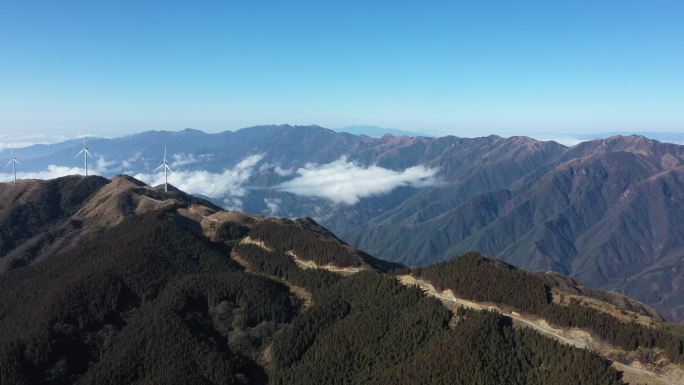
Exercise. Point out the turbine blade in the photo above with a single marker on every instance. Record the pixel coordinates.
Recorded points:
(8, 163)
(168, 168)
(88, 152)
(79, 153)
(16, 161)
(158, 167)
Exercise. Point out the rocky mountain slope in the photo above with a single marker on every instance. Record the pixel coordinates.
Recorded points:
(607, 211)
(158, 287)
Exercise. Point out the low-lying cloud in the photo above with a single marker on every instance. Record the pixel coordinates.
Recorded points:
(183, 159)
(272, 205)
(228, 184)
(276, 168)
(21, 140)
(346, 182)
(98, 166)
(341, 181)
(569, 142)
(53, 171)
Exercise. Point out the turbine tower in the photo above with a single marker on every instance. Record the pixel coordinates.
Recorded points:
(14, 162)
(167, 169)
(86, 154)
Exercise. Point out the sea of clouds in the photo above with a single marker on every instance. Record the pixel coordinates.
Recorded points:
(341, 182)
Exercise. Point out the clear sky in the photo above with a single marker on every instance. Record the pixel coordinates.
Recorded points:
(468, 68)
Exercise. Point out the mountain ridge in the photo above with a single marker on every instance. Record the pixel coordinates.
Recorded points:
(605, 211)
(167, 267)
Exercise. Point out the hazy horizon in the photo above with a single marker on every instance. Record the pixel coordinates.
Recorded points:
(21, 140)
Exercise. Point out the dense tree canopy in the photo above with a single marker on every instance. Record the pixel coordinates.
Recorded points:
(369, 329)
(312, 242)
(475, 277)
(137, 302)
(154, 301)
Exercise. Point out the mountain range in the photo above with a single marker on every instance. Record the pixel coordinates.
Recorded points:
(608, 212)
(118, 282)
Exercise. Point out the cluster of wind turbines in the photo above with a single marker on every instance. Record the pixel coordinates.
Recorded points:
(86, 153)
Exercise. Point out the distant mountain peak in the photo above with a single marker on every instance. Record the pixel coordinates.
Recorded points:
(191, 131)
(377, 132)
(636, 144)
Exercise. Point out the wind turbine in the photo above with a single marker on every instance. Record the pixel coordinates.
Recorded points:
(86, 154)
(14, 162)
(167, 169)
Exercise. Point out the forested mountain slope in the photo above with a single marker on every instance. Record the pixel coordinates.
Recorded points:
(607, 212)
(167, 288)
(34, 214)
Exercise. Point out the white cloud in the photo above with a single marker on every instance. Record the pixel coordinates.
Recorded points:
(98, 167)
(272, 205)
(53, 171)
(102, 164)
(182, 159)
(232, 203)
(283, 171)
(564, 141)
(228, 184)
(346, 182)
(128, 163)
(24, 140)
(276, 168)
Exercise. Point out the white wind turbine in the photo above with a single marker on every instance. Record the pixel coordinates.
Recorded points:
(14, 162)
(86, 154)
(167, 169)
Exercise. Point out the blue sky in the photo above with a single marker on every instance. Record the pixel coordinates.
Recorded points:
(475, 68)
